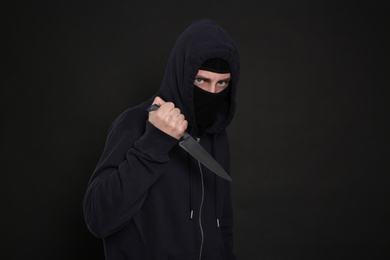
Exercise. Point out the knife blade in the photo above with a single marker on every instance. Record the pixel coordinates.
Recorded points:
(198, 152)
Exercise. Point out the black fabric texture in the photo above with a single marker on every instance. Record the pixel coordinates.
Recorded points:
(216, 65)
(208, 106)
(144, 197)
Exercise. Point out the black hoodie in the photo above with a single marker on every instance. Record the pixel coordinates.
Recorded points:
(148, 198)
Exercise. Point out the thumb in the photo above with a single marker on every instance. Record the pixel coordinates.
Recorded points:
(158, 101)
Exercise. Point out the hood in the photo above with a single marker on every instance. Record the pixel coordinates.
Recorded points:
(201, 41)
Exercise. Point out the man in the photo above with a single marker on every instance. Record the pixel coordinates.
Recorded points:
(148, 198)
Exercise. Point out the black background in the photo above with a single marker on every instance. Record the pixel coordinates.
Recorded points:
(309, 141)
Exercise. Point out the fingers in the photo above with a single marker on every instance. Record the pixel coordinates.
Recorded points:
(168, 118)
(182, 127)
(166, 108)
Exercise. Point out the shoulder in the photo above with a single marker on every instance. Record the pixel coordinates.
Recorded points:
(132, 117)
(131, 122)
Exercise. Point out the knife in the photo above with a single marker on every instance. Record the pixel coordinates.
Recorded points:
(198, 152)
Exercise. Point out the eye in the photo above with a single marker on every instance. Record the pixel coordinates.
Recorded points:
(222, 83)
(199, 81)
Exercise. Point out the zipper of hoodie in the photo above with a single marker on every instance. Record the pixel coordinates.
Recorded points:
(200, 208)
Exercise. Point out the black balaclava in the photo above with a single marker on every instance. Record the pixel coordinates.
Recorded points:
(208, 106)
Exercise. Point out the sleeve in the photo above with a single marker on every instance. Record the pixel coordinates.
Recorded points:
(123, 176)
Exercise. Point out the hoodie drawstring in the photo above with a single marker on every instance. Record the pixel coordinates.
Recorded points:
(190, 189)
(217, 187)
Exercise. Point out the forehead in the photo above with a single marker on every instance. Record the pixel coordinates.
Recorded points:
(212, 75)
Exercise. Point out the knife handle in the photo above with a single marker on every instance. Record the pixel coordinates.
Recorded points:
(154, 107)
